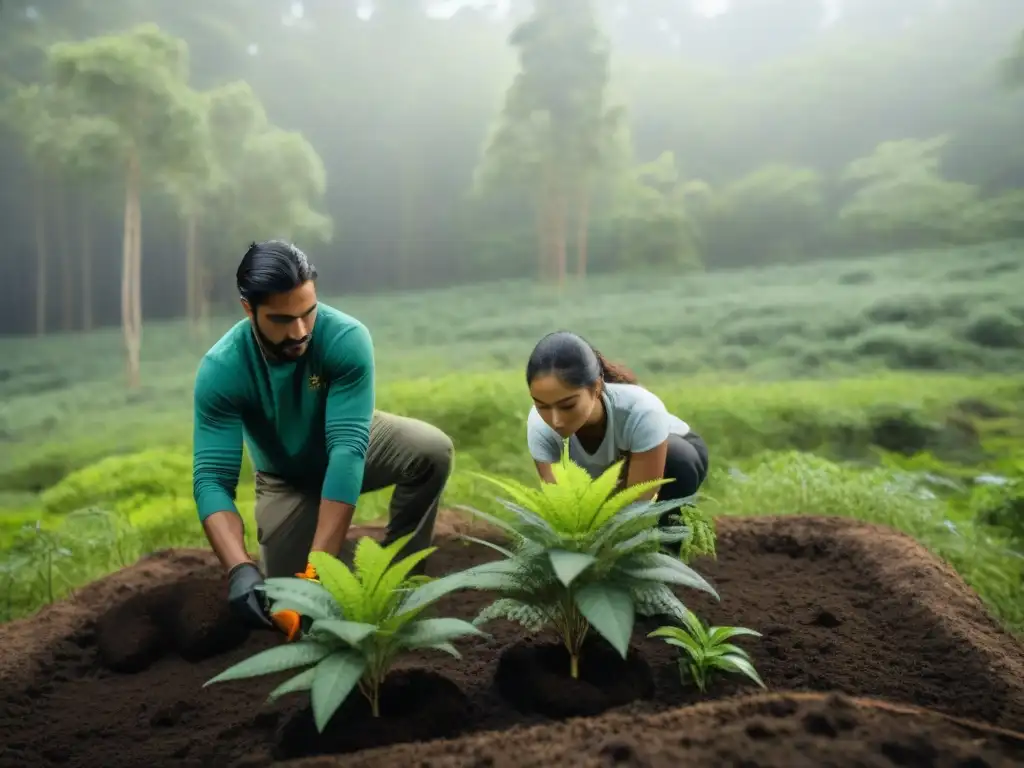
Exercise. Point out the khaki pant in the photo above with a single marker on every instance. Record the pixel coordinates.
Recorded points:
(411, 455)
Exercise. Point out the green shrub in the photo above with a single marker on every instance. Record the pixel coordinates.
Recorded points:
(995, 330)
(122, 482)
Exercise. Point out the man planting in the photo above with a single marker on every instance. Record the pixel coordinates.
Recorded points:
(295, 382)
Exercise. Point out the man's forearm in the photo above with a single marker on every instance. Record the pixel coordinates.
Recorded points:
(226, 534)
(332, 526)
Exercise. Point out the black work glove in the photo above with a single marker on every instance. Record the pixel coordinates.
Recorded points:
(247, 602)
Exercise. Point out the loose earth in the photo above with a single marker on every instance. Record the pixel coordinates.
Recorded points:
(113, 676)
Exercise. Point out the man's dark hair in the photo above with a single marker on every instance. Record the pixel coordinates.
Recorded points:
(270, 267)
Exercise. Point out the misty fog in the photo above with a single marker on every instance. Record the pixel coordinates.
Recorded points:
(746, 119)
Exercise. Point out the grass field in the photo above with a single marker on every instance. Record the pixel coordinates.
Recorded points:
(887, 389)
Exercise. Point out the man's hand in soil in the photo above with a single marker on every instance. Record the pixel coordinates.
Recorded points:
(246, 601)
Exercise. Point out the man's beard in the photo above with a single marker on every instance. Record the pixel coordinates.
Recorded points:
(279, 351)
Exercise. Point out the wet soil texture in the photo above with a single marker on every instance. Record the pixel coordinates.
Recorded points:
(113, 677)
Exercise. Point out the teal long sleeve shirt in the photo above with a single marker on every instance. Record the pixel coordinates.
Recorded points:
(306, 421)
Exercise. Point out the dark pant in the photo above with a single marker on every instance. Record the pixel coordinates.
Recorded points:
(687, 465)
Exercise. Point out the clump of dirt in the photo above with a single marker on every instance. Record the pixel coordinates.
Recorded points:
(418, 704)
(842, 606)
(534, 678)
(787, 731)
(190, 618)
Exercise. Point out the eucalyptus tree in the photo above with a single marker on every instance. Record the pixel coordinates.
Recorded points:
(554, 127)
(137, 81)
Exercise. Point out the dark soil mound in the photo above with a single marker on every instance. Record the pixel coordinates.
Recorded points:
(415, 705)
(843, 607)
(787, 731)
(534, 678)
(189, 617)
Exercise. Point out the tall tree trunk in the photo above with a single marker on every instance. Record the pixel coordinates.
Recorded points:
(543, 212)
(409, 196)
(67, 282)
(192, 287)
(203, 295)
(582, 230)
(130, 263)
(137, 280)
(85, 224)
(41, 255)
(558, 236)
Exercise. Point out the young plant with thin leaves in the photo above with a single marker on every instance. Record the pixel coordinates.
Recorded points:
(706, 650)
(362, 620)
(584, 555)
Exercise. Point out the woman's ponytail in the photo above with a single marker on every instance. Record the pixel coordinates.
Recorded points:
(614, 373)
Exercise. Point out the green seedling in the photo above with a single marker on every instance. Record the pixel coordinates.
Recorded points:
(584, 556)
(362, 620)
(706, 650)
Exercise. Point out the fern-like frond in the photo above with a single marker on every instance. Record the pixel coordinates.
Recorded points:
(597, 493)
(657, 600)
(624, 498)
(341, 583)
(370, 562)
(531, 617)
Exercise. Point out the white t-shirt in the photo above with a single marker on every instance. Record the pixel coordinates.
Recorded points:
(637, 421)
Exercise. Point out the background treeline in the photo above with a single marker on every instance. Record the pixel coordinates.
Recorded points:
(406, 150)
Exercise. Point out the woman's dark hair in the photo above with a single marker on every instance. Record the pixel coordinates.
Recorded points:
(270, 267)
(574, 361)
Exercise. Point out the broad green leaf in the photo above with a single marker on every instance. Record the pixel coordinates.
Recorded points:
(652, 536)
(394, 577)
(301, 682)
(737, 664)
(430, 632)
(341, 583)
(448, 648)
(696, 627)
(335, 678)
(274, 660)
(489, 544)
(668, 632)
(688, 644)
(301, 606)
(316, 606)
(351, 632)
(624, 521)
(569, 565)
(486, 576)
(684, 574)
(282, 585)
(720, 634)
(610, 612)
(728, 649)
(497, 522)
(667, 576)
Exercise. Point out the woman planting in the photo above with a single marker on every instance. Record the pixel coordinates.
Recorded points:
(607, 417)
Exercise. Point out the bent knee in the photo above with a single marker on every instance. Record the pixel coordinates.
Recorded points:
(435, 451)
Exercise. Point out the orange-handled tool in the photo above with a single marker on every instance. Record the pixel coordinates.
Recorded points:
(290, 622)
